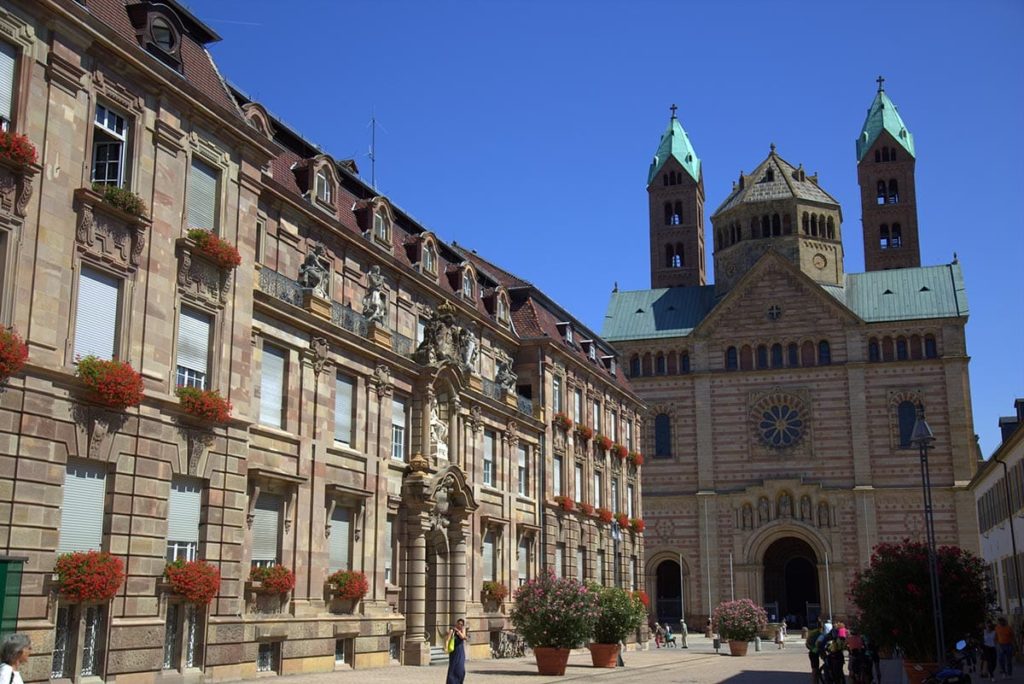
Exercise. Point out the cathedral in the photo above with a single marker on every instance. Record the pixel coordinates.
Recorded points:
(781, 397)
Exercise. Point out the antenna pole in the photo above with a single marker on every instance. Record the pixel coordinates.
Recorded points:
(373, 148)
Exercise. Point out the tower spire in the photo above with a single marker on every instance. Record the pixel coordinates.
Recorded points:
(880, 80)
(673, 108)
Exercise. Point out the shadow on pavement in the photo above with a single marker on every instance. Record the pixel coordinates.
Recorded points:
(760, 677)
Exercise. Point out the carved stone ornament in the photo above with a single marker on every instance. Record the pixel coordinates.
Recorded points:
(438, 430)
(375, 301)
(198, 442)
(319, 350)
(100, 426)
(512, 433)
(15, 188)
(445, 342)
(381, 381)
(199, 278)
(108, 234)
(315, 271)
(504, 376)
(476, 419)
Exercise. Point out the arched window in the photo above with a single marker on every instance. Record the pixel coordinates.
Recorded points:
(887, 354)
(885, 154)
(883, 236)
(878, 155)
(754, 227)
(762, 356)
(678, 213)
(892, 154)
(323, 187)
(906, 414)
(634, 366)
(776, 355)
(915, 347)
(662, 436)
(776, 225)
(824, 353)
(894, 193)
(664, 178)
(897, 236)
(647, 368)
(806, 224)
(880, 195)
(731, 362)
(679, 253)
(659, 364)
(930, 350)
(766, 227)
(873, 351)
(672, 366)
(793, 352)
(901, 349)
(684, 363)
(746, 357)
(718, 242)
(814, 225)
(669, 256)
(787, 227)
(739, 232)
(807, 353)
(831, 229)
(668, 213)
(677, 261)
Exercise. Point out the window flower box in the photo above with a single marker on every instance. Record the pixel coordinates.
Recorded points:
(196, 581)
(205, 405)
(586, 508)
(620, 451)
(16, 149)
(584, 432)
(122, 199)
(605, 515)
(18, 162)
(89, 576)
(273, 579)
(219, 251)
(622, 519)
(637, 459)
(637, 524)
(347, 588)
(13, 353)
(565, 503)
(562, 422)
(603, 443)
(113, 383)
(493, 592)
(205, 271)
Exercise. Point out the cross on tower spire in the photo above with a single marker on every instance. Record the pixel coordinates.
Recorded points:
(880, 80)
(673, 108)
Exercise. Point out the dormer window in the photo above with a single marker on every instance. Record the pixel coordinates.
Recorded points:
(429, 258)
(566, 331)
(467, 284)
(609, 363)
(590, 348)
(502, 309)
(158, 32)
(381, 227)
(322, 185)
(163, 35)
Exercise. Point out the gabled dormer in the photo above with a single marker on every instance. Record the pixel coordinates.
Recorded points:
(317, 178)
(161, 28)
(259, 118)
(496, 302)
(423, 253)
(376, 219)
(463, 280)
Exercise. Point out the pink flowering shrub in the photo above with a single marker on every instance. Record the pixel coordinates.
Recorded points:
(739, 620)
(555, 613)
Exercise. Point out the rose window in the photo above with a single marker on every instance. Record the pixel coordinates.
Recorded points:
(779, 421)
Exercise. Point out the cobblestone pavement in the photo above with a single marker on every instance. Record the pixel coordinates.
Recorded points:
(699, 664)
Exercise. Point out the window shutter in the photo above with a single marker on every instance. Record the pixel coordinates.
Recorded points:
(489, 556)
(193, 340)
(580, 559)
(389, 537)
(183, 510)
(398, 412)
(559, 559)
(272, 385)
(341, 533)
(266, 523)
(8, 56)
(81, 523)
(202, 196)
(96, 317)
(343, 410)
(556, 475)
(524, 559)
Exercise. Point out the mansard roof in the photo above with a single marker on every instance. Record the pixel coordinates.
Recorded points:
(775, 179)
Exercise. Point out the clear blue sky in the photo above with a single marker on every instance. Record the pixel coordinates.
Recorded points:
(524, 129)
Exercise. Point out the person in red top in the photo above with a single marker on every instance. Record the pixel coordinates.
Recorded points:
(1004, 647)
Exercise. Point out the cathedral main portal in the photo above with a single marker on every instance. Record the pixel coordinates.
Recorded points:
(791, 582)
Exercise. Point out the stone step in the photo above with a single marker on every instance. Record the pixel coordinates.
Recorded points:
(438, 656)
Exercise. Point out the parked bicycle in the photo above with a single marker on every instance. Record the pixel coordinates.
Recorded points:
(508, 645)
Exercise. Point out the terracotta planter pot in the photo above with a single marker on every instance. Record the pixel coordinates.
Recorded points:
(551, 661)
(737, 648)
(604, 655)
(918, 672)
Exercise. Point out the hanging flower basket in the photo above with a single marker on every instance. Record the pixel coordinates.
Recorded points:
(111, 383)
(196, 581)
(562, 421)
(494, 591)
(585, 432)
(605, 515)
(636, 458)
(206, 405)
(644, 598)
(637, 524)
(13, 353)
(121, 199)
(603, 443)
(349, 585)
(17, 149)
(587, 509)
(565, 503)
(273, 579)
(219, 251)
(622, 519)
(620, 451)
(89, 576)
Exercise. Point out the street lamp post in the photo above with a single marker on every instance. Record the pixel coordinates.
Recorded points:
(922, 437)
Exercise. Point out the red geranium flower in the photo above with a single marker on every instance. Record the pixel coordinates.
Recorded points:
(112, 383)
(197, 581)
(89, 576)
(220, 251)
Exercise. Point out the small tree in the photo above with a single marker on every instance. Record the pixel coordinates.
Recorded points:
(739, 620)
(621, 614)
(555, 612)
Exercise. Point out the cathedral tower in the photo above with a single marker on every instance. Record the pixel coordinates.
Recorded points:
(885, 172)
(675, 188)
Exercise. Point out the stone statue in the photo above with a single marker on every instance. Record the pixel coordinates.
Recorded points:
(785, 505)
(805, 508)
(762, 510)
(468, 349)
(442, 338)
(314, 273)
(504, 377)
(439, 516)
(823, 514)
(375, 301)
(438, 430)
(748, 517)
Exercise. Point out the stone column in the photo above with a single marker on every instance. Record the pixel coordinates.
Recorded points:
(417, 651)
(457, 568)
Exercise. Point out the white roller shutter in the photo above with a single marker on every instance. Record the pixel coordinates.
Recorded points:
(193, 340)
(341, 534)
(8, 57)
(343, 389)
(183, 510)
(489, 556)
(272, 385)
(202, 196)
(580, 561)
(524, 560)
(266, 526)
(559, 560)
(556, 475)
(81, 519)
(96, 316)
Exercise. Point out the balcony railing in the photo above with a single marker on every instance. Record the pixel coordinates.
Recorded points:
(493, 390)
(280, 287)
(525, 405)
(402, 345)
(345, 317)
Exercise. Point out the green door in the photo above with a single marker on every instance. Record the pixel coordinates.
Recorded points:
(10, 594)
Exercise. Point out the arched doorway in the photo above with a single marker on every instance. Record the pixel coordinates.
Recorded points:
(669, 593)
(791, 581)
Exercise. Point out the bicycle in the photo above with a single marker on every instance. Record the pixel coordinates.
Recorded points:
(509, 645)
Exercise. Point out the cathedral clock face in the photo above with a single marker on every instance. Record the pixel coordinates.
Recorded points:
(779, 420)
(820, 261)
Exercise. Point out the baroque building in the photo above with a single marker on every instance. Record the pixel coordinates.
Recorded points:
(394, 396)
(781, 398)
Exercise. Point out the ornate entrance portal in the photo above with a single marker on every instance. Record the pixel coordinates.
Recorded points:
(791, 580)
(669, 596)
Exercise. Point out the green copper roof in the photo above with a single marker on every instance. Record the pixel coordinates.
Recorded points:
(675, 143)
(882, 116)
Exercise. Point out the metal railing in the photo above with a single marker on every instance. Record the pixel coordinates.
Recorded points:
(525, 405)
(493, 390)
(280, 287)
(345, 317)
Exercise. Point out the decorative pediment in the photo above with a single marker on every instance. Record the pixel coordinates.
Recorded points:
(450, 483)
(108, 234)
(258, 118)
(446, 342)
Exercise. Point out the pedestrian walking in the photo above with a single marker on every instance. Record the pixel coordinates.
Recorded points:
(619, 662)
(659, 635)
(780, 636)
(988, 651)
(683, 632)
(1004, 647)
(456, 647)
(14, 652)
(813, 653)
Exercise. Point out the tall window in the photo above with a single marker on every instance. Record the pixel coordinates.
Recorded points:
(793, 354)
(398, 428)
(596, 416)
(556, 393)
(272, 382)
(634, 366)
(523, 471)
(762, 356)
(599, 567)
(343, 391)
(559, 560)
(630, 497)
(662, 436)
(581, 562)
(489, 549)
(731, 359)
(930, 350)
(577, 406)
(193, 348)
(502, 309)
(340, 539)
(82, 508)
(390, 538)
(632, 573)
(613, 426)
(902, 354)
(109, 147)
(183, 521)
(614, 502)
(578, 481)
(873, 353)
(266, 529)
(382, 227)
(776, 356)
(598, 489)
(467, 284)
(8, 58)
(523, 561)
(323, 187)
(202, 196)
(906, 413)
(556, 475)
(824, 353)
(97, 315)
(629, 434)
(489, 457)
